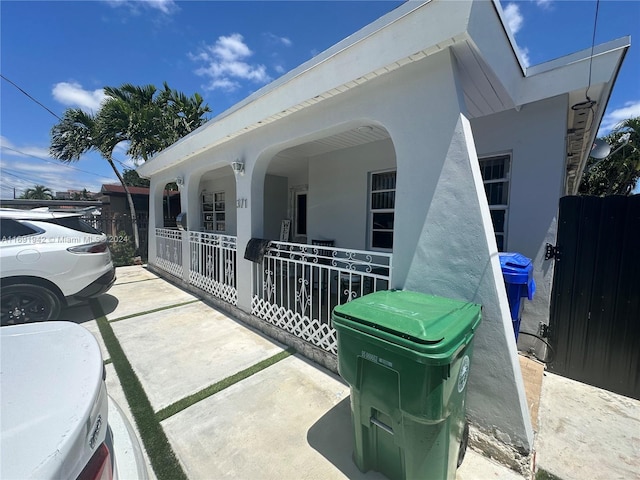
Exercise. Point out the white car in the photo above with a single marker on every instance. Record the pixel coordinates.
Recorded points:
(57, 420)
(49, 260)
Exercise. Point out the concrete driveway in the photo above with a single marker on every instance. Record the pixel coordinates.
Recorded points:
(288, 419)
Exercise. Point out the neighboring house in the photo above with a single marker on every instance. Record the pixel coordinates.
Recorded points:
(115, 215)
(115, 204)
(76, 195)
(410, 153)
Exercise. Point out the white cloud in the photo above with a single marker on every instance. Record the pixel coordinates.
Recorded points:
(611, 119)
(513, 17)
(524, 55)
(279, 40)
(225, 64)
(73, 95)
(24, 151)
(165, 6)
(544, 4)
(20, 173)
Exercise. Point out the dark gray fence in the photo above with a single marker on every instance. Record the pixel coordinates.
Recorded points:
(595, 308)
(118, 228)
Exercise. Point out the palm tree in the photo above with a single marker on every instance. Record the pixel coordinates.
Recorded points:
(133, 114)
(184, 114)
(78, 133)
(38, 192)
(619, 173)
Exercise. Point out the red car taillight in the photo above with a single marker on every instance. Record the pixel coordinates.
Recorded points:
(99, 467)
(98, 247)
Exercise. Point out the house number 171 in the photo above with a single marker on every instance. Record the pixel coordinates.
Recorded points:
(241, 203)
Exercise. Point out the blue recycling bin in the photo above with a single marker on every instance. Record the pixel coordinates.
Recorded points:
(517, 271)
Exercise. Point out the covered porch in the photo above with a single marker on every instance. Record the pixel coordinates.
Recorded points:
(327, 232)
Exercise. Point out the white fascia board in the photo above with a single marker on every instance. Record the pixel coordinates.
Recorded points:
(409, 29)
(598, 115)
(570, 73)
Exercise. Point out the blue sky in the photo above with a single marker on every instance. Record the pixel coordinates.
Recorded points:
(63, 53)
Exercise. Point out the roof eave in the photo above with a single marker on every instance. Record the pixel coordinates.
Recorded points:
(309, 84)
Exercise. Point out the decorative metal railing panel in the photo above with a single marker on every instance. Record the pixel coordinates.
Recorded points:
(169, 251)
(212, 265)
(297, 286)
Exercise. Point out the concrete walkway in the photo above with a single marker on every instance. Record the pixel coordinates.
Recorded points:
(289, 420)
(587, 432)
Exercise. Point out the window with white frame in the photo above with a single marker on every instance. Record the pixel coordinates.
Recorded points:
(382, 201)
(213, 212)
(496, 175)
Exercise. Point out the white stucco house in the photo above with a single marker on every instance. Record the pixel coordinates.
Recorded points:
(406, 156)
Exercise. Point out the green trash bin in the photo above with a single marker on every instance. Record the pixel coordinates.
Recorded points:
(406, 357)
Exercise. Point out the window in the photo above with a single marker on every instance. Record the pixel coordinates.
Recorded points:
(10, 228)
(213, 212)
(382, 201)
(495, 174)
(74, 223)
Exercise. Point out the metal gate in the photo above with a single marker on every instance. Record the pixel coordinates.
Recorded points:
(594, 325)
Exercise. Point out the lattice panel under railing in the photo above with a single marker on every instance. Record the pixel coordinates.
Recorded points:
(169, 251)
(212, 265)
(312, 331)
(296, 286)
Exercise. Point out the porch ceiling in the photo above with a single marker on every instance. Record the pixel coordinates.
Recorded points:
(287, 160)
(349, 138)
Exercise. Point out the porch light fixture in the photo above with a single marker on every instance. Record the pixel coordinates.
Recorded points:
(238, 167)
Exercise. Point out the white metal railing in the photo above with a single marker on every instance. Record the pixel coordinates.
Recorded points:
(212, 266)
(169, 251)
(297, 286)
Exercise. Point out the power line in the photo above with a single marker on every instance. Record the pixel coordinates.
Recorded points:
(52, 113)
(52, 163)
(47, 109)
(124, 165)
(593, 42)
(4, 172)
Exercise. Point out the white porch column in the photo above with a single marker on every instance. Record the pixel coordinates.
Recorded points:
(155, 216)
(250, 213)
(186, 200)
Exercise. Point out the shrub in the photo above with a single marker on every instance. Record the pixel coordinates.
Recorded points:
(122, 249)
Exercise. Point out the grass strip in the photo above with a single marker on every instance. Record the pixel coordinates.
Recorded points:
(544, 475)
(221, 385)
(159, 309)
(163, 459)
(107, 361)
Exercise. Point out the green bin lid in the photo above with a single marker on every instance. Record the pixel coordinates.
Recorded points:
(421, 322)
